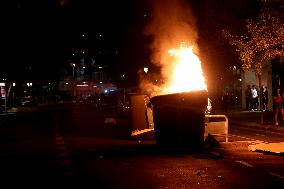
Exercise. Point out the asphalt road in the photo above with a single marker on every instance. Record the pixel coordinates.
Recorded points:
(27, 151)
(71, 146)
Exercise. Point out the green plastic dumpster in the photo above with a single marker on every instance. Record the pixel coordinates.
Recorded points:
(179, 120)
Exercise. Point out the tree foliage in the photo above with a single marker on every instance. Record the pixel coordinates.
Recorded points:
(263, 41)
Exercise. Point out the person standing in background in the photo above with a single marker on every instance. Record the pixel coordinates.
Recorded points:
(265, 98)
(226, 101)
(248, 97)
(278, 104)
(254, 96)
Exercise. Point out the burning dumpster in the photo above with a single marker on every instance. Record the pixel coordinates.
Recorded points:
(179, 119)
(179, 102)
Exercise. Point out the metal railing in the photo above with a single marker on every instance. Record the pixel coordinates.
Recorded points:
(217, 127)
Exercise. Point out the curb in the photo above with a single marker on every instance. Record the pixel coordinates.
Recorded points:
(258, 127)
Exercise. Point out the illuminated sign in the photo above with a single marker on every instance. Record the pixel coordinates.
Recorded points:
(2, 84)
(82, 85)
(2, 91)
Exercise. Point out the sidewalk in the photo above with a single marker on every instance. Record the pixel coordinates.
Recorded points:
(251, 119)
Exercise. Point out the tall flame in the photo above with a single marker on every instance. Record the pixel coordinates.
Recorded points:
(187, 74)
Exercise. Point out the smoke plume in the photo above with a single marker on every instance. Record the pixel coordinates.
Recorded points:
(172, 22)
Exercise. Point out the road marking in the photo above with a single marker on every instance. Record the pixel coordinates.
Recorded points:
(215, 153)
(276, 175)
(247, 138)
(245, 163)
(259, 134)
(270, 131)
(240, 137)
(64, 160)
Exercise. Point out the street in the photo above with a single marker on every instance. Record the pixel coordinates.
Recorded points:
(71, 146)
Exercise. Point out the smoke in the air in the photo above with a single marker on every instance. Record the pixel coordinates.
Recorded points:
(172, 22)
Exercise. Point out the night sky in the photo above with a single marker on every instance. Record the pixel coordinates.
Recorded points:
(38, 37)
(44, 34)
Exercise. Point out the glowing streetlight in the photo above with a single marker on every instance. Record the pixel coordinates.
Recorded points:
(13, 93)
(146, 69)
(73, 69)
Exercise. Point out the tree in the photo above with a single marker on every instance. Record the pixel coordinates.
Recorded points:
(263, 41)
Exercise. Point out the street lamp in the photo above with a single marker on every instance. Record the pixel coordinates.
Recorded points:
(14, 85)
(29, 87)
(146, 69)
(73, 67)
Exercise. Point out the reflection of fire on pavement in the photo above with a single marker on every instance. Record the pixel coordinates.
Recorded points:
(270, 147)
(141, 132)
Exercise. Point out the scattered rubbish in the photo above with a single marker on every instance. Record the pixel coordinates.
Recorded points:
(276, 175)
(244, 163)
(211, 141)
(198, 172)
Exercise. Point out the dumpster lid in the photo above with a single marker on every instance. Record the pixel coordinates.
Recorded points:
(193, 98)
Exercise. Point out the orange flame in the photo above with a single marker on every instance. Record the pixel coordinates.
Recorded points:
(187, 72)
